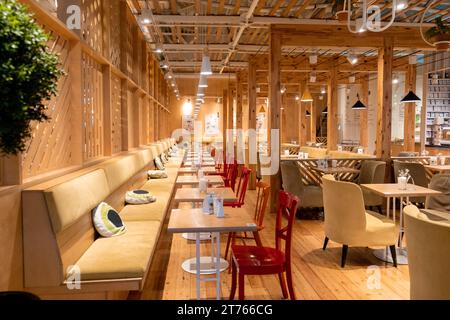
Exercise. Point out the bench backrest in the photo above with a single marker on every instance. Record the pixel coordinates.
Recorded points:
(57, 215)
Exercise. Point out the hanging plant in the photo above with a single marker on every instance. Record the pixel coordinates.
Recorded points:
(29, 74)
(439, 35)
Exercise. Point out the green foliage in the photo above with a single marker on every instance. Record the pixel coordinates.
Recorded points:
(28, 75)
(440, 29)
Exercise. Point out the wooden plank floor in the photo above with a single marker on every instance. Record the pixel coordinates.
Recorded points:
(317, 274)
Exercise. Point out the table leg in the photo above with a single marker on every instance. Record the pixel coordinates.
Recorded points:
(388, 205)
(198, 266)
(218, 265)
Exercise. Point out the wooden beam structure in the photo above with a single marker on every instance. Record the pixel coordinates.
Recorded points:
(384, 101)
(363, 114)
(252, 118)
(275, 111)
(332, 118)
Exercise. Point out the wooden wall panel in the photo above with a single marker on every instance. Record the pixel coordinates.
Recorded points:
(91, 26)
(114, 40)
(92, 106)
(116, 114)
(50, 148)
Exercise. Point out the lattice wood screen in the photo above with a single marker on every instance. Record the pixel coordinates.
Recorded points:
(92, 107)
(91, 30)
(114, 36)
(116, 113)
(50, 145)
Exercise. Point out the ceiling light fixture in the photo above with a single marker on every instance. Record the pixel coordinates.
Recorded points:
(395, 80)
(353, 59)
(283, 89)
(358, 105)
(307, 97)
(401, 5)
(313, 59)
(187, 107)
(203, 83)
(158, 48)
(410, 97)
(206, 64)
(146, 16)
(308, 114)
(312, 77)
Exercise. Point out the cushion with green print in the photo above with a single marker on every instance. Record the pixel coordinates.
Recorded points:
(107, 221)
(139, 197)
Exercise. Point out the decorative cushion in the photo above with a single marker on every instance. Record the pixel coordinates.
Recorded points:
(159, 164)
(163, 158)
(139, 197)
(107, 221)
(157, 174)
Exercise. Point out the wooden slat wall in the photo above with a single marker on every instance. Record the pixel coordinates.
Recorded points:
(113, 90)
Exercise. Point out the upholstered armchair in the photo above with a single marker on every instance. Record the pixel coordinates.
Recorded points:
(348, 222)
(427, 238)
(440, 182)
(310, 196)
(372, 172)
(417, 172)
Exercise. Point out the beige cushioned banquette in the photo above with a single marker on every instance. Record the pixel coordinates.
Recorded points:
(314, 152)
(122, 257)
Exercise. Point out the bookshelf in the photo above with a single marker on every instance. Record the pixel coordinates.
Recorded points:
(438, 109)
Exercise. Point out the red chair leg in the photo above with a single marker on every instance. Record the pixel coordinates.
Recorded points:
(289, 283)
(230, 235)
(233, 280)
(257, 238)
(283, 285)
(241, 286)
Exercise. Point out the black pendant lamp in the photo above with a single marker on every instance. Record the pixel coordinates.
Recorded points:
(410, 97)
(325, 111)
(359, 105)
(308, 114)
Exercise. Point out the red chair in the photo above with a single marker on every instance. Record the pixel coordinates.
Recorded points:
(262, 198)
(241, 187)
(250, 260)
(230, 179)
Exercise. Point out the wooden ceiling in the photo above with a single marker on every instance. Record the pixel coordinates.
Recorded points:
(235, 29)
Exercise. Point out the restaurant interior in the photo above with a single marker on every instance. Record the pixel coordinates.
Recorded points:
(225, 149)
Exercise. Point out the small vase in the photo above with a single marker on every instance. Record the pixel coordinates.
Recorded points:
(402, 182)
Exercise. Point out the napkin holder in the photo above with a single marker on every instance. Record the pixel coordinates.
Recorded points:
(208, 204)
(218, 207)
(203, 185)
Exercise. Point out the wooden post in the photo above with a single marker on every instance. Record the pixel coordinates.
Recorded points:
(224, 122)
(275, 106)
(302, 117)
(239, 101)
(423, 111)
(107, 131)
(251, 115)
(410, 111)
(332, 119)
(384, 102)
(313, 126)
(363, 114)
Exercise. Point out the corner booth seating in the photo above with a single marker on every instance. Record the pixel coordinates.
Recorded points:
(61, 244)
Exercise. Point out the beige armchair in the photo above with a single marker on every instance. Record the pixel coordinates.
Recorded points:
(310, 196)
(440, 182)
(428, 255)
(372, 172)
(348, 223)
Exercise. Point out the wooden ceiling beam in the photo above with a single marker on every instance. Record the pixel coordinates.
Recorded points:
(286, 12)
(302, 8)
(323, 36)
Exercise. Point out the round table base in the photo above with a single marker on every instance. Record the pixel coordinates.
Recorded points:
(385, 255)
(207, 265)
(193, 236)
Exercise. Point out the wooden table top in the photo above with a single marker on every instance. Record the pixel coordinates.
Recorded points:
(393, 190)
(206, 170)
(204, 164)
(438, 168)
(194, 194)
(331, 170)
(194, 220)
(193, 180)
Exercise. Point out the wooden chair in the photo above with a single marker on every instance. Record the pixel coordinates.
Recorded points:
(252, 260)
(241, 189)
(263, 195)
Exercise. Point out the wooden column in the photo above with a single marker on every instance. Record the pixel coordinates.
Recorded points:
(302, 117)
(224, 121)
(363, 114)
(423, 111)
(251, 115)
(410, 110)
(313, 126)
(275, 106)
(384, 101)
(332, 119)
(239, 101)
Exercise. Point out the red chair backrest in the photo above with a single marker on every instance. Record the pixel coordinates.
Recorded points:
(242, 185)
(262, 198)
(287, 207)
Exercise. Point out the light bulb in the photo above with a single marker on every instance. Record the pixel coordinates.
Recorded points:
(187, 108)
(401, 5)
